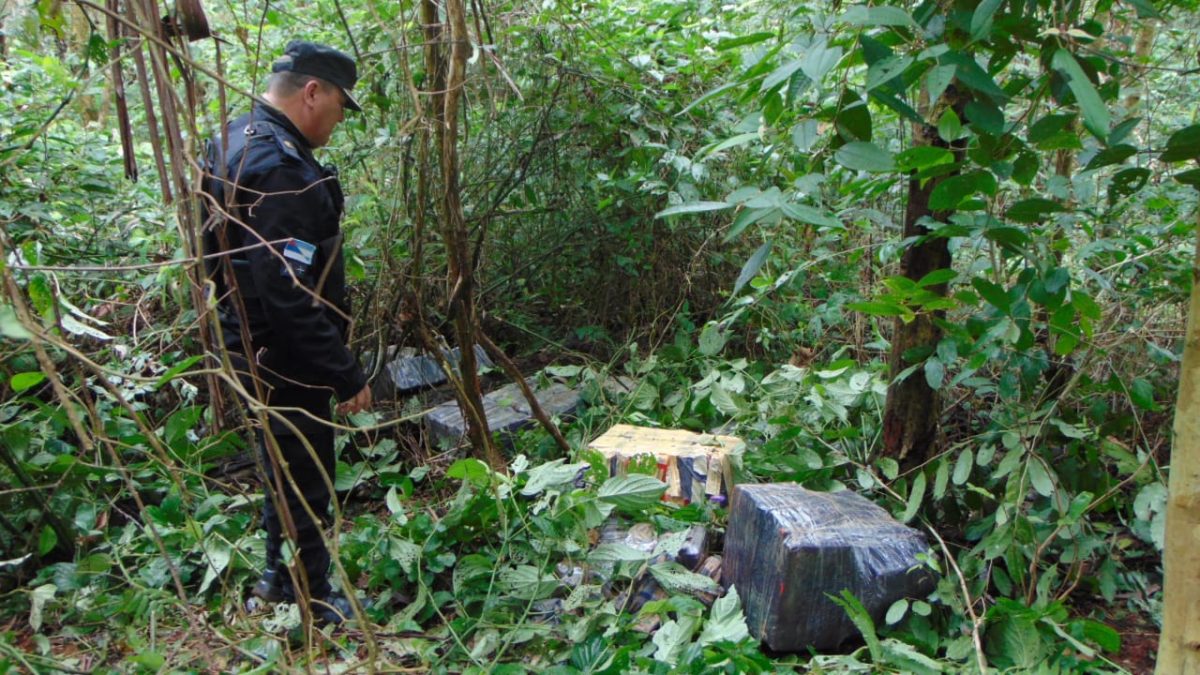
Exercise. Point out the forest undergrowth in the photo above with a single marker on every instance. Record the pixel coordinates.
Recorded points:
(723, 206)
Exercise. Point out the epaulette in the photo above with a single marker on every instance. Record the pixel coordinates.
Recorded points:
(265, 129)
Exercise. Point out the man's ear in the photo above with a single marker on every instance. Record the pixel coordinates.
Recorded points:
(311, 89)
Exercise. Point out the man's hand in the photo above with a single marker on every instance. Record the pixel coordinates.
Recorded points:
(360, 402)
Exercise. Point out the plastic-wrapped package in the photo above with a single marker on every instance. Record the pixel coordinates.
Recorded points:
(506, 409)
(787, 549)
(413, 370)
(711, 568)
(694, 548)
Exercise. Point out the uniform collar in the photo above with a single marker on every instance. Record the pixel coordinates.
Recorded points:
(263, 110)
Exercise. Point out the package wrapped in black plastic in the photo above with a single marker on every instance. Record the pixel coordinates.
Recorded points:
(787, 549)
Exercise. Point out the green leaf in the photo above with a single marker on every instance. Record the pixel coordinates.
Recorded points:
(1189, 177)
(1095, 114)
(981, 20)
(395, 506)
(752, 266)
(884, 71)
(1145, 9)
(1108, 639)
(915, 495)
(935, 373)
(1122, 130)
(805, 134)
(726, 622)
(937, 278)
(781, 74)
(923, 157)
(745, 218)
(23, 381)
(963, 466)
(693, 207)
(1127, 182)
(969, 72)
(552, 475)
(1025, 168)
(937, 79)
(985, 117)
(1085, 305)
(712, 339)
(218, 553)
(733, 142)
(618, 552)
(1184, 144)
(10, 325)
(1046, 127)
(853, 120)
(673, 637)
(1033, 210)
(1014, 642)
(471, 470)
(878, 308)
(807, 214)
(47, 540)
(1141, 392)
(176, 369)
(819, 60)
(862, 621)
(950, 192)
(896, 612)
(994, 294)
(941, 478)
(753, 38)
(676, 578)
(1040, 478)
(1109, 156)
(632, 492)
(864, 156)
(736, 84)
(949, 127)
(37, 603)
(877, 16)
(525, 582)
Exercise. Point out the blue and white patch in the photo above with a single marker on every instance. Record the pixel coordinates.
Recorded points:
(301, 252)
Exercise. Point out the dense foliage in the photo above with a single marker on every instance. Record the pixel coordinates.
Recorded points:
(708, 198)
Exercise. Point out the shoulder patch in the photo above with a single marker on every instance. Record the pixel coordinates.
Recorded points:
(288, 147)
(299, 250)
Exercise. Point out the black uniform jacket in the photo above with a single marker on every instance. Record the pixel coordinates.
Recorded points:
(267, 175)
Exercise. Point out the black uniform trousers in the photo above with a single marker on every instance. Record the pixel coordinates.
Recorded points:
(298, 405)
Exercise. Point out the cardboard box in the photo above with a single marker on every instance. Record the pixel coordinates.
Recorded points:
(694, 466)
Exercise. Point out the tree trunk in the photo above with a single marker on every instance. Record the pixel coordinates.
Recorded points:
(448, 79)
(1142, 47)
(910, 417)
(1179, 643)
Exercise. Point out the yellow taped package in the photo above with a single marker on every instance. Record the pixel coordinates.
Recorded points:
(694, 466)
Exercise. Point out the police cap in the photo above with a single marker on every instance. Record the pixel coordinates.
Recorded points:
(327, 63)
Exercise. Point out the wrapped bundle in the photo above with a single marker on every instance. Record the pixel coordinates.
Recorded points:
(694, 466)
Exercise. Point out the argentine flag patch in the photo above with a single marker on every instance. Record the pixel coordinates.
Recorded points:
(301, 252)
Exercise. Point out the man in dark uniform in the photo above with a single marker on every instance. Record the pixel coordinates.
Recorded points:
(282, 303)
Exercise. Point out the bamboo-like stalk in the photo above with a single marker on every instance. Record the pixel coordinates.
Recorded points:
(186, 208)
(118, 84)
(139, 62)
(448, 77)
(1179, 643)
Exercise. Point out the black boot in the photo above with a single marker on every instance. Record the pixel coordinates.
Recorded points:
(269, 587)
(335, 608)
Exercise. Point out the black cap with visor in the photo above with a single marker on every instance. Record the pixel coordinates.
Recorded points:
(327, 63)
